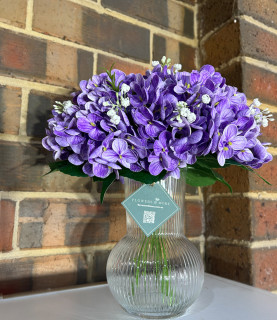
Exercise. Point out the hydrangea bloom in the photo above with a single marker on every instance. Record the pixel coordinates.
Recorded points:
(163, 120)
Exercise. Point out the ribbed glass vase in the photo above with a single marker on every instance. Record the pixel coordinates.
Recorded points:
(160, 276)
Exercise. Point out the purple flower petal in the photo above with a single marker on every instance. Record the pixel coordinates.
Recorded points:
(119, 146)
(238, 143)
(101, 170)
(155, 168)
(221, 158)
(87, 169)
(129, 156)
(84, 125)
(229, 132)
(75, 159)
(96, 134)
(110, 156)
(245, 155)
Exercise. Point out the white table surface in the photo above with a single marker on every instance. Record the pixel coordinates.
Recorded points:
(221, 299)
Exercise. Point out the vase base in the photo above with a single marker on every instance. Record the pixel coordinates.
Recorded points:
(156, 315)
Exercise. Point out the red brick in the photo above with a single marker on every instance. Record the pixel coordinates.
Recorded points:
(265, 268)
(86, 209)
(90, 28)
(117, 222)
(33, 207)
(25, 57)
(7, 211)
(99, 265)
(14, 12)
(54, 224)
(212, 14)
(268, 172)
(86, 233)
(50, 19)
(16, 275)
(260, 83)
(10, 108)
(214, 49)
(177, 51)
(40, 105)
(234, 176)
(265, 11)
(84, 65)
(57, 271)
(43, 221)
(104, 63)
(66, 66)
(264, 219)
(244, 181)
(23, 166)
(229, 217)
(229, 261)
(269, 132)
(193, 218)
(167, 14)
(22, 56)
(258, 43)
(233, 75)
(30, 235)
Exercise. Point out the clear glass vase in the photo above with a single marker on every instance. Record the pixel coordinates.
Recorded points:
(160, 276)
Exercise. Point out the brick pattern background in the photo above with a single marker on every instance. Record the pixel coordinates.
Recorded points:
(53, 231)
(239, 38)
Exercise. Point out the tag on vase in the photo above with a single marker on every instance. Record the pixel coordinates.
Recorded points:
(150, 206)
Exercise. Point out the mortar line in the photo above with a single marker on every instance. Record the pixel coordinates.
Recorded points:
(151, 45)
(95, 61)
(24, 112)
(229, 63)
(21, 195)
(15, 228)
(263, 195)
(183, 4)
(29, 15)
(199, 238)
(245, 243)
(197, 56)
(15, 82)
(257, 23)
(261, 64)
(272, 150)
(19, 139)
(43, 252)
(216, 29)
(249, 60)
(265, 105)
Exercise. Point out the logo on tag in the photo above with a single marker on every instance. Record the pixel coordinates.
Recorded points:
(150, 206)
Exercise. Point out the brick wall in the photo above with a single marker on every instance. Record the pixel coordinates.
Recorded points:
(53, 231)
(240, 38)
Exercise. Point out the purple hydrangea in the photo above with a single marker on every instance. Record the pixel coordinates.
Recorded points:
(162, 120)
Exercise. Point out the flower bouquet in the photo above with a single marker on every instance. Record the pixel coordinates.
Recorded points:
(158, 127)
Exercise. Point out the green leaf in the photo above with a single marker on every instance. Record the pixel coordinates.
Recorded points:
(222, 180)
(106, 184)
(142, 176)
(210, 161)
(67, 168)
(233, 162)
(199, 176)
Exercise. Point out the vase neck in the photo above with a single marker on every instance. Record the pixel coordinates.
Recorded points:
(174, 225)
